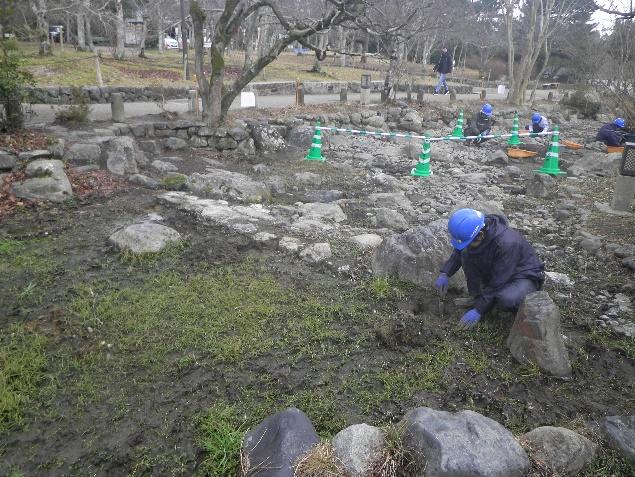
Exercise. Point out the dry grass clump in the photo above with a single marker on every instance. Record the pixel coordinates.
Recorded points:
(320, 462)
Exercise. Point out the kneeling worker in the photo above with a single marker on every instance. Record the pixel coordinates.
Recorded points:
(480, 124)
(612, 134)
(538, 124)
(500, 266)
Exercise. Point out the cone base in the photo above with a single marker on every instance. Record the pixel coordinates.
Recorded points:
(313, 158)
(414, 172)
(551, 172)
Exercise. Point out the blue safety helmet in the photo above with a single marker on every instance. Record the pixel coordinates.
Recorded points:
(535, 118)
(487, 109)
(464, 226)
(619, 122)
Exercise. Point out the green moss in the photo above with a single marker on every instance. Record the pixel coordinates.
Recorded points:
(174, 181)
(22, 360)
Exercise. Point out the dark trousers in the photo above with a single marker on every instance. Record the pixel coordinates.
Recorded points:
(511, 295)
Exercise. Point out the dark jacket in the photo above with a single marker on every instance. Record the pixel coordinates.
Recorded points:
(611, 135)
(445, 64)
(478, 124)
(503, 256)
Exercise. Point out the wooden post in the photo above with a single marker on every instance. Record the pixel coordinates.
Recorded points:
(100, 81)
(62, 39)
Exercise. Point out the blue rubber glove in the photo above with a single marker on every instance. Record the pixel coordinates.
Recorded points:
(442, 283)
(470, 319)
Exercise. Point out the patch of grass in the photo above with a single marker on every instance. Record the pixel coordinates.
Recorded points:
(320, 461)
(322, 408)
(382, 288)
(608, 463)
(22, 360)
(172, 250)
(396, 460)
(611, 341)
(226, 314)
(221, 433)
(9, 246)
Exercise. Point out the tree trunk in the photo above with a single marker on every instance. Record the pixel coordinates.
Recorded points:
(251, 39)
(144, 35)
(120, 33)
(393, 69)
(321, 44)
(342, 46)
(81, 32)
(509, 23)
(365, 48)
(89, 34)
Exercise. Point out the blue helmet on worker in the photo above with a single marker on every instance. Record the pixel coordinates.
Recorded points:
(464, 225)
(487, 109)
(535, 118)
(619, 122)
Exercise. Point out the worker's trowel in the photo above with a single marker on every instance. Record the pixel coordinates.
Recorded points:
(441, 304)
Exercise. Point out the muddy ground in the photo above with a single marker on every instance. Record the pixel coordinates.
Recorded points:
(136, 352)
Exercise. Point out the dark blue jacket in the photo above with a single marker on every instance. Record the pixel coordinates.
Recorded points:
(445, 64)
(611, 135)
(503, 256)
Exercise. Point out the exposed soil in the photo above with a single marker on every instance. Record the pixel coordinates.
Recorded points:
(106, 410)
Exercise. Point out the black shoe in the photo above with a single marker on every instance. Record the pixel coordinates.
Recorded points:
(435, 93)
(447, 91)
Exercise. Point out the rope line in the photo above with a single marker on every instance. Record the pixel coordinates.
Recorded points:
(361, 132)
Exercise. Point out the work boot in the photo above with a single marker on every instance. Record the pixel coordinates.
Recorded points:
(435, 93)
(447, 91)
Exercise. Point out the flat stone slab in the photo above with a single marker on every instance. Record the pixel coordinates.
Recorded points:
(146, 237)
(367, 241)
(619, 432)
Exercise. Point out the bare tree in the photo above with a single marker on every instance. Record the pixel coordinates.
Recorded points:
(216, 98)
(120, 31)
(542, 18)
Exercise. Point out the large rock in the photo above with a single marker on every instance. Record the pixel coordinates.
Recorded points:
(322, 211)
(463, 444)
(247, 147)
(120, 154)
(563, 451)
(536, 337)
(390, 219)
(417, 255)
(301, 137)
(83, 154)
(594, 163)
(226, 184)
(541, 185)
(316, 253)
(175, 144)
(275, 445)
(7, 161)
(619, 432)
(367, 241)
(46, 181)
(267, 138)
(146, 237)
(358, 447)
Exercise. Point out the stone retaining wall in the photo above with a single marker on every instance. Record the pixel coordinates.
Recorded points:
(95, 94)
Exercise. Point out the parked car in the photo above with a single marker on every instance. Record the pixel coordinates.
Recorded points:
(170, 43)
(55, 31)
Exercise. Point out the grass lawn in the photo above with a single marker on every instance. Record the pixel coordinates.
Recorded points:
(73, 68)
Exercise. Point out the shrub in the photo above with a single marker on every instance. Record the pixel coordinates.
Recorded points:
(13, 83)
(587, 103)
(78, 111)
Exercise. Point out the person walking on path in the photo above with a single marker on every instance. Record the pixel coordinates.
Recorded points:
(500, 266)
(443, 67)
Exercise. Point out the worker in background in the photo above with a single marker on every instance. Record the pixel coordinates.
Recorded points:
(480, 124)
(612, 134)
(443, 67)
(538, 124)
(500, 266)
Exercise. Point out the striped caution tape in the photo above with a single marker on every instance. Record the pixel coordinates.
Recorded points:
(415, 136)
